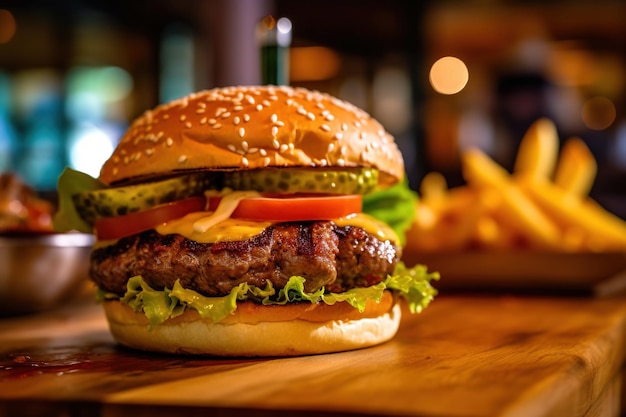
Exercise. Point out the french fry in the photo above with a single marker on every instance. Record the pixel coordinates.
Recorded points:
(438, 221)
(538, 151)
(604, 230)
(480, 170)
(543, 205)
(577, 168)
(433, 185)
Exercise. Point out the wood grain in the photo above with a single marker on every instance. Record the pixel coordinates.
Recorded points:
(466, 355)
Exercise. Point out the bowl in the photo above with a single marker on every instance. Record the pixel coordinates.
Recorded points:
(40, 272)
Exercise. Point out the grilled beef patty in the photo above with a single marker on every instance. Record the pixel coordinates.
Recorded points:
(326, 255)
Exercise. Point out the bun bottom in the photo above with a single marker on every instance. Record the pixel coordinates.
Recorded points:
(194, 335)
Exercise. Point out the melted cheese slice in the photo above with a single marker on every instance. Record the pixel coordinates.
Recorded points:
(227, 230)
(237, 229)
(211, 227)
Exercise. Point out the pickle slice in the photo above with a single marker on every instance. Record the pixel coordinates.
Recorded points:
(304, 180)
(118, 201)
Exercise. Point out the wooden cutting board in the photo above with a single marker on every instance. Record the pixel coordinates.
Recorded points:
(466, 355)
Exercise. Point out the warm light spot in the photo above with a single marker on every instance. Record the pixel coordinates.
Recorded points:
(448, 75)
(598, 113)
(313, 63)
(7, 26)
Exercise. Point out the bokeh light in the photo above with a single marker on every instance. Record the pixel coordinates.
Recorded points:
(449, 75)
(598, 113)
(7, 26)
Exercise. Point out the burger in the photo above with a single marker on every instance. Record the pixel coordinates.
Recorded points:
(230, 222)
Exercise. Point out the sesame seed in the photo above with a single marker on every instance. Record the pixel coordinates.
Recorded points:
(323, 162)
(344, 126)
(169, 141)
(250, 99)
(188, 125)
(217, 125)
(231, 147)
(274, 131)
(200, 111)
(259, 107)
(274, 118)
(280, 123)
(237, 108)
(236, 120)
(115, 171)
(331, 147)
(283, 148)
(166, 116)
(266, 103)
(149, 151)
(203, 121)
(246, 117)
(343, 151)
(301, 111)
(242, 132)
(325, 128)
(310, 116)
(341, 162)
(329, 117)
(244, 145)
(244, 161)
(201, 104)
(182, 159)
(183, 117)
(225, 115)
(263, 152)
(338, 136)
(276, 144)
(266, 161)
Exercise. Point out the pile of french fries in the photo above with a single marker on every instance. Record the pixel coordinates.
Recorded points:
(543, 204)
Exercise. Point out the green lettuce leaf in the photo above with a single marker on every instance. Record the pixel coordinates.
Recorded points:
(73, 182)
(394, 205)
(413, 284)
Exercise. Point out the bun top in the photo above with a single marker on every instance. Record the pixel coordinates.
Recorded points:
(253, 127)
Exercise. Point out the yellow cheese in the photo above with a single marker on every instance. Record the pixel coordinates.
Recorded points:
(237, 229)
(210, 227)
(226, 230)
(371, 225)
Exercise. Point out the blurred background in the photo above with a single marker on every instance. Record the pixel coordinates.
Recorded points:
(441, 75)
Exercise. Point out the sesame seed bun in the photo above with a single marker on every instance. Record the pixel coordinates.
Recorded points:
(253, 127)
(260, 330)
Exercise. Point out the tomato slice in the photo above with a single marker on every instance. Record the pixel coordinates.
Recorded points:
(116, 227)
(288, 209)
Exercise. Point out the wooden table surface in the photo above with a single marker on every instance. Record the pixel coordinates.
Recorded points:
(466, 355)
